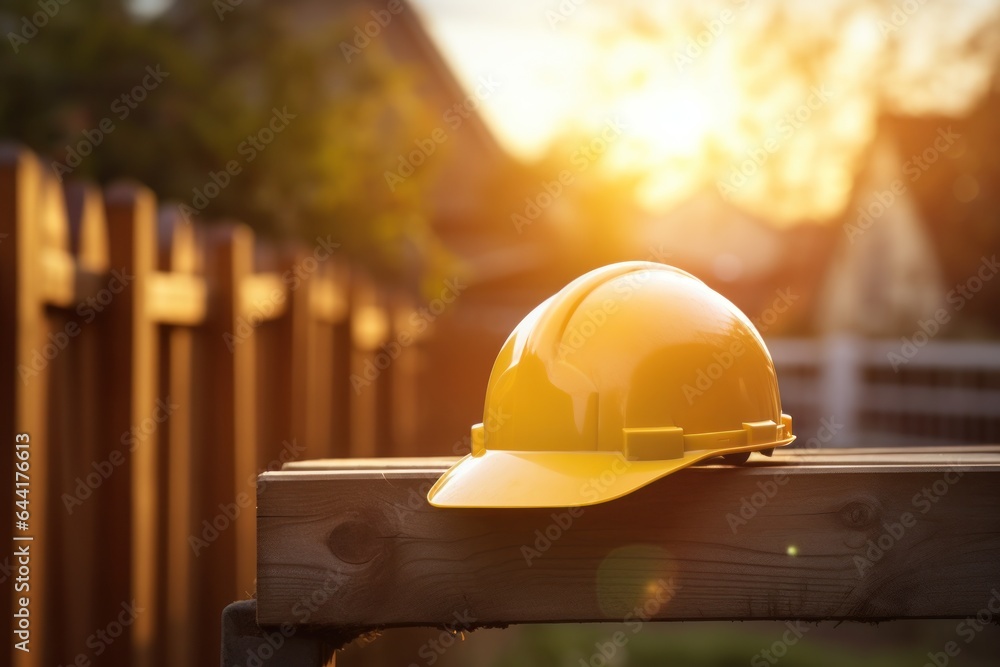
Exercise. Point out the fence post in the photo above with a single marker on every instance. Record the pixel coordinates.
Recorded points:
(317, 312)
(841, 385)
(340, 363)
(180, 254)
(77, 429)
(369, 330)
(306, 362)
(405, 398)
(22, 312)
(245, 643)
(231, 346)
(131, 383)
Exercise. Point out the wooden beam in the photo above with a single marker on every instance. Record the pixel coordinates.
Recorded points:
(263, 296)
(327, 300)
(426, 463)
(72, 268)
(63, 282)
(59, 278)
(786, 539)
(74, 260)
(874, 456)
(176, 298)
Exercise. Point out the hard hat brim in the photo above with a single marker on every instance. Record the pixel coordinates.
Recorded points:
(511, 479)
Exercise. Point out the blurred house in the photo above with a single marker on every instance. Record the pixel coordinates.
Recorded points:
(753, 263)
(885, 276)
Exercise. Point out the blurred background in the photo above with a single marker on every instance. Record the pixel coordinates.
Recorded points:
(831, 168)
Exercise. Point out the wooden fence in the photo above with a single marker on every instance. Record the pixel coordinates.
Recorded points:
(157, 367)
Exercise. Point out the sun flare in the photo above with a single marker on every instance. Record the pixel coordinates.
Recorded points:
(674, 121)
(702, 88)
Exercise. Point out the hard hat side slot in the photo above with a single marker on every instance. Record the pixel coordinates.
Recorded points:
(653, 444)
(478, 437)
(761, 433)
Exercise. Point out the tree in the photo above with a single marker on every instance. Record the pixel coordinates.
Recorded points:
(231, 109)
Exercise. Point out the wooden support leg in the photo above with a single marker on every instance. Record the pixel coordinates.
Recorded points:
(245, 644)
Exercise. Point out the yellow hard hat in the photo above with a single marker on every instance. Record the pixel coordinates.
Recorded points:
(630, 372)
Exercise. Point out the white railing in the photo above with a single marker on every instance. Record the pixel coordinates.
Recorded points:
(881, 394)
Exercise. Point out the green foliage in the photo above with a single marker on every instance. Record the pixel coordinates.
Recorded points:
(226, 74)
(689, 645)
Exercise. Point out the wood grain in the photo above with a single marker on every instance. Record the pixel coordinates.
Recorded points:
(389, 559)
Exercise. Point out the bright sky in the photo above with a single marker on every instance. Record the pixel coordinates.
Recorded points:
(539, 66)
(703, 87)
(772, 103)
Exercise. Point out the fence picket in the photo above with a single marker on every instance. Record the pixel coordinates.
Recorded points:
(130, 392)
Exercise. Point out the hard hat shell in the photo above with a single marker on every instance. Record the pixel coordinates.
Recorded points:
(629, 373)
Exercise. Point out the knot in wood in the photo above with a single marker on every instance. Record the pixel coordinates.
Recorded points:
(859, 514)
(354, 542)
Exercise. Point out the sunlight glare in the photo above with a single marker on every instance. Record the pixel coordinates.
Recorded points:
(669, 122)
